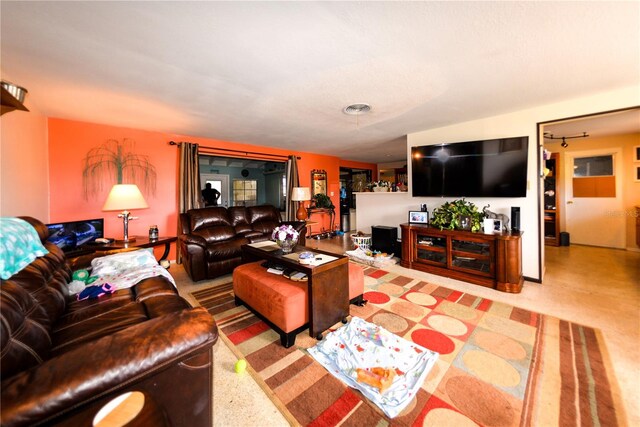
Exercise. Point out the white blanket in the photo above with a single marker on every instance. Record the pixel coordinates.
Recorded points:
(124, 270)
(361, 344)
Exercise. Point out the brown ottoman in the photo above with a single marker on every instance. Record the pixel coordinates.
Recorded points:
(282, 303)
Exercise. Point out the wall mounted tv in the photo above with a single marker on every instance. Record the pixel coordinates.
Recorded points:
(487, 168)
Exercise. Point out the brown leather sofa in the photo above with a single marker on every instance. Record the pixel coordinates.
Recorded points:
(62, 360)
(211, 238)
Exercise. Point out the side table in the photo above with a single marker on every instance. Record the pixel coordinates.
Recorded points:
(143, 242)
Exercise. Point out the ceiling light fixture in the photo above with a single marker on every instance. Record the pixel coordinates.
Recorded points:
(564, 143)
(356, 110)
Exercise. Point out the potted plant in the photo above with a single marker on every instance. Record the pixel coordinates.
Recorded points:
(452, 215)
(322, 201)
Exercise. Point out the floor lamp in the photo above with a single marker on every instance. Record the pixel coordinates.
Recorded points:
(124, 197)
(301, 195)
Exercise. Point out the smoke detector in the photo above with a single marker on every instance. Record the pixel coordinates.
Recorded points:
(356, 109)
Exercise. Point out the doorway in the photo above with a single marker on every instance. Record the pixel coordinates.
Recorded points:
(612, 133)
(218, 182)
(590, 212)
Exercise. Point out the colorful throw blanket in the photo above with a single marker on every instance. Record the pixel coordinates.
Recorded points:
(361, 344)
(19, 246)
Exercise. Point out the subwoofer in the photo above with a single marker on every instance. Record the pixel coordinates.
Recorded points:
(385, 239)
(515, 218)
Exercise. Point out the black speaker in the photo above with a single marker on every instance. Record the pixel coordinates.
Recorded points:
(384, 239)
(515, 218)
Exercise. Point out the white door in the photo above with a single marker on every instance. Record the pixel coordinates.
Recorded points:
(595, 221)
(220, 183)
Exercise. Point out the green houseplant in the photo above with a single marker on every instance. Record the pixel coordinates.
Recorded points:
(448, 215)
(322, 201)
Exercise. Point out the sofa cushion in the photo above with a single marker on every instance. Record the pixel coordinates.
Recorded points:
(216, 233)
(24, 330)
(200, 219)
(226, 249)
(77, 331)
(239, 219)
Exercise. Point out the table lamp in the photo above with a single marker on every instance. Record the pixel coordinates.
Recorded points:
(124, 197)
(301, 195)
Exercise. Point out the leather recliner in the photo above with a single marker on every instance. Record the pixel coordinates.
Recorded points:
(211, 238)
(62, 360)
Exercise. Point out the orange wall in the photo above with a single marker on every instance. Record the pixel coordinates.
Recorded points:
(69, 142)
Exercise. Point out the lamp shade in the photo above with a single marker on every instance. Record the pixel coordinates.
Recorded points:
(124, 197)
(300, 194)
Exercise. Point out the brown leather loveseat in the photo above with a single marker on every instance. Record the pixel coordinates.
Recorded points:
(62, 360)
(211, 238)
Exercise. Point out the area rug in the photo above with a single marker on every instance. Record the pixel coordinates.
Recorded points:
(499, 365)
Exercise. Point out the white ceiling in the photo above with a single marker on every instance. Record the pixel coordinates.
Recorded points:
(280, 73)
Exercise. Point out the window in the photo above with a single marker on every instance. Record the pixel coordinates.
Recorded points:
(594, 177)
(593, 166)
(245, 192)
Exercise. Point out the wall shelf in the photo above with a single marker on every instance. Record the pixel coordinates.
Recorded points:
(9, 102)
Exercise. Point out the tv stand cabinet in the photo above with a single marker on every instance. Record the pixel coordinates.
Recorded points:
(491, 260)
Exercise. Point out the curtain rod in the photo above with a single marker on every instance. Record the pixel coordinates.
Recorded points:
(246, 153)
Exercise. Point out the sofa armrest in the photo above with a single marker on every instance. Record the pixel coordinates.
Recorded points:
(80, 376)
(193, 239)
(193, 250)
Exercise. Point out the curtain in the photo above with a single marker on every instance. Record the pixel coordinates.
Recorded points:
(292, 181)
(189, 195)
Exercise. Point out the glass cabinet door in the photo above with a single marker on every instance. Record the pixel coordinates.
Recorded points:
(467, 255)
(432, 250)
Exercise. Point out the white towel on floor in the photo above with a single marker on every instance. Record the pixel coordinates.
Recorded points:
(361, 344)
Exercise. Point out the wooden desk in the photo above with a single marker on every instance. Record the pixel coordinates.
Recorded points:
(328, 285)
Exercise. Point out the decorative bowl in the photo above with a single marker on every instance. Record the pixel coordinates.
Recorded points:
(306, 257)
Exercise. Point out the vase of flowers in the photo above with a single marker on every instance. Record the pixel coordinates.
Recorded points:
(286, 237)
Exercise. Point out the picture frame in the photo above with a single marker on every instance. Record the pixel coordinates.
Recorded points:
(637, 174)
(318, 182)
(636, 153)
(497, 225)
(418, 217)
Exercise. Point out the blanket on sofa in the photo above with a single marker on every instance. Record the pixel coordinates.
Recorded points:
(19, 246)
(124, 270)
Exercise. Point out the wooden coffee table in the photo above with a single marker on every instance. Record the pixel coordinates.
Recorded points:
(328, 283)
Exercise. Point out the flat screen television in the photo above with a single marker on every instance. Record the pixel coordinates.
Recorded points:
(487, 168)
(71, 236)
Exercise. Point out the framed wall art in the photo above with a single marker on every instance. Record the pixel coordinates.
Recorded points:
(318, 182)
